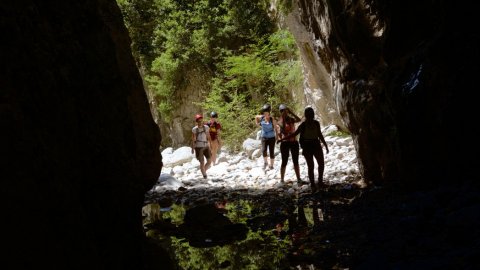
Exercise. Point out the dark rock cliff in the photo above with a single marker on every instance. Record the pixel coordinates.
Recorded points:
(403, 76)
(79, 145)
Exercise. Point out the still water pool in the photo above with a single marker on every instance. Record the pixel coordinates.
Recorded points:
(265, 232)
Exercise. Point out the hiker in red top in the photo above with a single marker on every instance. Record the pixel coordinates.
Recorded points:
(216, 142)
(286, 127)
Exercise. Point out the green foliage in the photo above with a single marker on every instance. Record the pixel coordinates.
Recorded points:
(164, 88)
(339, 133)
(236, 117)
(285, 6)
(139, 17)
(264, 73)
(231, 44)
(260, 249)
(239, 211)
(176, 214)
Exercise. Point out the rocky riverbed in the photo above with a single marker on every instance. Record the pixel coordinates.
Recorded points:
(242, 217)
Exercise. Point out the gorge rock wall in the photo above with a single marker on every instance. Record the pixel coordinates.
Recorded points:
(318, 88)
(79, 145)
(400, 71)
(178, 131)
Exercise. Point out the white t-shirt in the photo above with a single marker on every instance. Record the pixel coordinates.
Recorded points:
(201, 136)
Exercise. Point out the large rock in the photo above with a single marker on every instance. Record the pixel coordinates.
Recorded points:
(250, 145)
(178, 157)
(79, 145)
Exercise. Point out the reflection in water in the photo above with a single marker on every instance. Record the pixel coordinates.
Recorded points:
(241, 234)
(207, 226)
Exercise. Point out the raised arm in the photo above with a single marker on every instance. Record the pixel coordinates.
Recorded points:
(297, 119)
(276, 128)
(258, 118)
(278, 134)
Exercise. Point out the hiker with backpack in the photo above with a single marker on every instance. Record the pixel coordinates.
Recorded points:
(267, 124)
(311, 138)
(214, 128)
(286, 126)
(201, 142)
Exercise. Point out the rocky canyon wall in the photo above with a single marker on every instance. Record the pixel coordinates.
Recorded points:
(400, 77)
(318, 90)
(79, 145)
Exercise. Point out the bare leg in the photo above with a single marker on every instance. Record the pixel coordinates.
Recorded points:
(214, 146)
(202, 168)
(284, 151)
(296, 168)
(295, 150)
(209, 163)
(321, 167)
(271, 149)
(282, 173)
(310, 166)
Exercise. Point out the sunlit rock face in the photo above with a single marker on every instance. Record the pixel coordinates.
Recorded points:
(178, 132)
(79, 145)
(401, 73)
(318, 88)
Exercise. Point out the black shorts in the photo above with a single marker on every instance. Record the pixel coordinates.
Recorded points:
(310, 147)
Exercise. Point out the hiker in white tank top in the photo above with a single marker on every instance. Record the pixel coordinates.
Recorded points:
(201, 144)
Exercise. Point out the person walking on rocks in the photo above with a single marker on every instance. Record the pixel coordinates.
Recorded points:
(311, 138)
(201, 142)
(215, 128)
(267, 124)
(285, 127)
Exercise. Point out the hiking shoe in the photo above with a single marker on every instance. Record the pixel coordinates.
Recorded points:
(301, 183)
(204, 176)
(265, 165)
(322, 185)
(270, 167)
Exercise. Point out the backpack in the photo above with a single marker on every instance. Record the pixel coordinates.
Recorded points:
(215, 126)
(197, 131)
(302, 132)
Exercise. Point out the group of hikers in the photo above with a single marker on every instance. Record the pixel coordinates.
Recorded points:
(206, 141)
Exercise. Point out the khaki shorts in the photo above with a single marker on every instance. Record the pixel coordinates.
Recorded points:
(201, 152)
